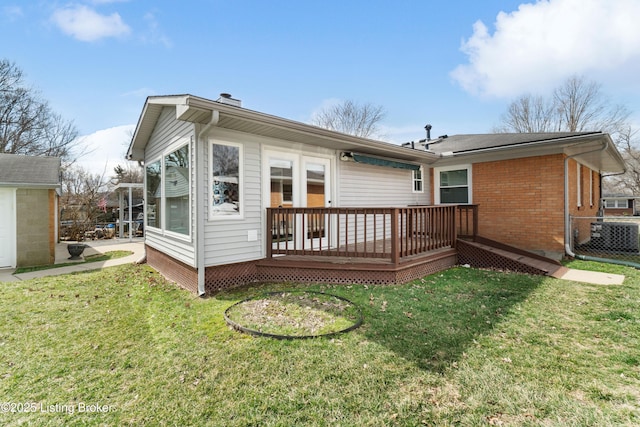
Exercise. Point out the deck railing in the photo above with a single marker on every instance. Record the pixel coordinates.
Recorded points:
(392, 233)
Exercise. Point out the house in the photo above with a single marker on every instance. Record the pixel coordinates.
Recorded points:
(619, 205)
(527, 185)
(235, 196)
(29, 191)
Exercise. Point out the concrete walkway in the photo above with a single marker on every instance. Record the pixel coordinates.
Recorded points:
(135, 245)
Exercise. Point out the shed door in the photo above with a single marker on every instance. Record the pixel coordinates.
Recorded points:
(7, 227)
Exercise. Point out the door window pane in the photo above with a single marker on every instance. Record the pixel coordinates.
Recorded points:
(281, 183)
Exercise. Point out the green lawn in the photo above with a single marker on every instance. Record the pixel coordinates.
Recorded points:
(463, 347)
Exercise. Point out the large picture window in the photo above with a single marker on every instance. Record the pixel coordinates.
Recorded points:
(226, 175)
(176, 190)
(453, 185)
(153, 198)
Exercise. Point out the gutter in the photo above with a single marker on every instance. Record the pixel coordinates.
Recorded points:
(448, 154)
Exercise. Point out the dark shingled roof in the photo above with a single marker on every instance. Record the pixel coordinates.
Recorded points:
(36, 171)
(472, 142)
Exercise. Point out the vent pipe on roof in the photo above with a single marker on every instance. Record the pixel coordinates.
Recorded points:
(225, 98)
(428, 128)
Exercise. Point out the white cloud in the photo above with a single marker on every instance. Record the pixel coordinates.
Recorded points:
(538, 46)
(105, 149)
(154, 33)
(85, 24)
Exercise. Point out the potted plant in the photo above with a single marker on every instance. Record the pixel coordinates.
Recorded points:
(75, 250)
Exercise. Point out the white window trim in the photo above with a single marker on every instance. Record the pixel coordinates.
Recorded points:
(240, 215)
(159, 160)
(590, 188)
(436, 181)
(414, 180)
(616, 203)
(579, 184)
(178, 144)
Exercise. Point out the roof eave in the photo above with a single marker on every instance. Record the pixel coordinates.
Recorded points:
(203, 111)
(609, 159)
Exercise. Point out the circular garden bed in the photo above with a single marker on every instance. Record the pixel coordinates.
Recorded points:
(294, 314)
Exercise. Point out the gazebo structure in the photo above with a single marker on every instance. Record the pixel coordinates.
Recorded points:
(129, 186)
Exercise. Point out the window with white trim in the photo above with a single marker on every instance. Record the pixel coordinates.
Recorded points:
(168, 188)
(226, 180)
(153, 199)
(453, 184)
(590, 188)
(616, 203)
(418, 180)
(579, 184)
(177, 178)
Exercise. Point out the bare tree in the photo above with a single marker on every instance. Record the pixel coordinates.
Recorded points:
(528, 114)
(82, 193)
(351, 118)
(629, 182)
(27, 123)
(575, 106)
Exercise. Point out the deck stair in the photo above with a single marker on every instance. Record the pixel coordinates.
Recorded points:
(486, 253)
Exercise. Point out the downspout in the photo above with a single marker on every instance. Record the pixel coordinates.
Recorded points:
(215, 116)
(567, 216)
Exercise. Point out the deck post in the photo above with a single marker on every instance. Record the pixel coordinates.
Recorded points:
(269, 233)
(395, 238)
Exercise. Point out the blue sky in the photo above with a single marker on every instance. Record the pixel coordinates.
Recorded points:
(454, 64)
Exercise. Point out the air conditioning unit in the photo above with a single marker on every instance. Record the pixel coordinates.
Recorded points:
(615, 236)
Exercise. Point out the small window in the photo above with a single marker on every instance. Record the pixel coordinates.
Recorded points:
(418, 181)
(453, 185)
(579, 184)
(590, 188)
(176, 190)
(153, 175)
(616, 204)
(226, 175)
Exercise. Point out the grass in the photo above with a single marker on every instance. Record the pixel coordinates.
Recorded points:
(87, 259)
(294, 314)
(462, 347)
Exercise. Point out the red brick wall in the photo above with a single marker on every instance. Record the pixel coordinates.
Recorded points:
(521, 201)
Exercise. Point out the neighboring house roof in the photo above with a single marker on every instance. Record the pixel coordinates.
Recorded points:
(29, 171)
(620, 196)
(594, 149)
(207, 112)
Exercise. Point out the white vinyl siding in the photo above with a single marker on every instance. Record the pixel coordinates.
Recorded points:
(226, 240)
(362, 185)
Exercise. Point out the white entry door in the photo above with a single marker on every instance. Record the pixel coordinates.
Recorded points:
(295, 180)
(7, 228)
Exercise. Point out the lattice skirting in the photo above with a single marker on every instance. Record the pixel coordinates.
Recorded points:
(229, 276)
(480, 258)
